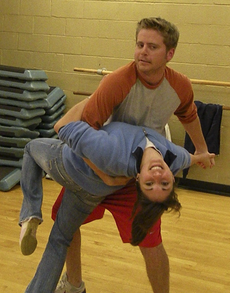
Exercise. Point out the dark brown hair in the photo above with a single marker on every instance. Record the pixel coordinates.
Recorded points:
(146, 213)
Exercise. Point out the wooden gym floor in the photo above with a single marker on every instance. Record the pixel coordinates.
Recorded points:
(197, 242)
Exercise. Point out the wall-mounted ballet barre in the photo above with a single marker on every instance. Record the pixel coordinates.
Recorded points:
(104, 71)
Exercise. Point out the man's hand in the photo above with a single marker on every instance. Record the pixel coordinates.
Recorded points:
(204, 160)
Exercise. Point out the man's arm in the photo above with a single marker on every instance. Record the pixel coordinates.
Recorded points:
(195, 132)
(74, 114)
(204, 160)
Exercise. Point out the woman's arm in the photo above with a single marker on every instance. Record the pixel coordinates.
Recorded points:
(74, 114)
(195, 132)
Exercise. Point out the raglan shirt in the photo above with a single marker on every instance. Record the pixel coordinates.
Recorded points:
(128, 98)
(113, 150)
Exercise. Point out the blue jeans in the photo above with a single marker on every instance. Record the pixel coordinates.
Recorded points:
(46, 154)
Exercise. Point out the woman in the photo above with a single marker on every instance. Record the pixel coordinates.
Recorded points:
(118, 149)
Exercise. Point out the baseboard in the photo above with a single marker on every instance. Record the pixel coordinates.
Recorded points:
(203, 186)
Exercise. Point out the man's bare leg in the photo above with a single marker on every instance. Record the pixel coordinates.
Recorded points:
(157, 267)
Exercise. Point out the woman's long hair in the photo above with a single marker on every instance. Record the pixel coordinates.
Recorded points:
(146, 213)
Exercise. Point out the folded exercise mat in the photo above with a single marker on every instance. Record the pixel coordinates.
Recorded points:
(55, 136)
(22, 73)
(49, 118)
(18, 142)
(9, 177)
(11, 152)
(13, 121)
(53, 95)
(47, 132)
(21, 113)
(55, 107)
(19, 132)
(33, 85)
(23, 104)
(49, 125)
(10, 161)
(21, 94)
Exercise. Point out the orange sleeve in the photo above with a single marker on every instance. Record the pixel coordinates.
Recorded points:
(187, 111)
(112, 90)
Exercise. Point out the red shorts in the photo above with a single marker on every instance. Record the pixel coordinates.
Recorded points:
(120, 204)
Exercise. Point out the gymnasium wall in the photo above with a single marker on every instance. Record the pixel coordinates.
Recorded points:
(57, 35)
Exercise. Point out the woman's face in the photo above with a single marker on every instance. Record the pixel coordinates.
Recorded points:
(156, 179)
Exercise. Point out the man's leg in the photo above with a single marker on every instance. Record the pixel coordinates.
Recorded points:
(120, 205)
(157, 267)
(152, 249)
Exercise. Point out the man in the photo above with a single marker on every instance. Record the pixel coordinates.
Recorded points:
(144, 92)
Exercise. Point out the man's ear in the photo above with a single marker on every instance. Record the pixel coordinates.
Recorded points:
(170, 54)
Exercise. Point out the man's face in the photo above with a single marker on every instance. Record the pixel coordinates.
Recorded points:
(150, 53)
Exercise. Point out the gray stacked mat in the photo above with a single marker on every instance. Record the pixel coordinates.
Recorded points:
(13, 138)
(10, 176)
(18, 86)
(25, 97)
(54, 110)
